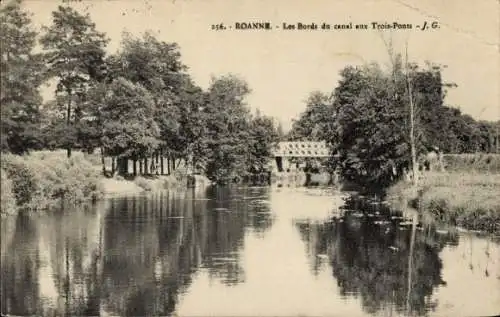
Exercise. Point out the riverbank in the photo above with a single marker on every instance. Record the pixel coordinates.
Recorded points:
(480, 162)
(468, 199)
(44, 180)
(118, 186)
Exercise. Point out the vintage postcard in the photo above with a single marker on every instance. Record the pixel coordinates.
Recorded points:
(250, 158)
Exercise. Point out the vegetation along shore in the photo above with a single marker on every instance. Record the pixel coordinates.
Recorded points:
(129, 121)
(465, 195)
(135, 120)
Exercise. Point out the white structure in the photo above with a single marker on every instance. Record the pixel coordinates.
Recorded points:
(301, 149)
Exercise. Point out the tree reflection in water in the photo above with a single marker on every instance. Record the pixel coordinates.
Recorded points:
(133, 257)
(150, 258)
(369, 254)
(19, 287)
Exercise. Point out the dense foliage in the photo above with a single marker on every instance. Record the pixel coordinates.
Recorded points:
(366, 121)
(315, 122)
(44, 179)
(140, 102)
(20, 77)
(7, 198)
(137, 103)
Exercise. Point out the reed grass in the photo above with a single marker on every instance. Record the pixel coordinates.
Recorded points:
(467, 199)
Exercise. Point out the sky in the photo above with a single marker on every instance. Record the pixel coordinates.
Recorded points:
(283, 67)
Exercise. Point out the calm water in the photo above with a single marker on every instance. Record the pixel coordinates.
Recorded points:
(243, 252)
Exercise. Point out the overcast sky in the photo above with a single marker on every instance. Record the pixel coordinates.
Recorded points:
(283, 67)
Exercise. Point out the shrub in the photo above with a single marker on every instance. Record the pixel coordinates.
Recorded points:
(144, 183)
(181, 174)
(44, 179)
(7, 199)
(171, 182)
(80, 180)
(26, 181)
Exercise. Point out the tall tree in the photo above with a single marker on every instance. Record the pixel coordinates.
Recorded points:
(75, 56)
(157, 66)
(263, 136)
(21, 76)
(189, 143)
(125, 113)
(227, 122)
(370, 138)
(314, 123)
(413, 118)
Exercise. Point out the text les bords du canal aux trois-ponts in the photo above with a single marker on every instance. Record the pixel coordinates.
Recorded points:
(300, 26)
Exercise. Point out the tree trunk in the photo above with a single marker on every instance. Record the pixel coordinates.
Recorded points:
(140, 167)
(154, 164)
(68, 122)
(412, 124)
(122, 166)
(103, 161)
(497, 138)
(168, 165)
(162, 169)
(146, 170)
(113, 165)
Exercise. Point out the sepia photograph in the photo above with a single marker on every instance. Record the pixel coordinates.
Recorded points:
(239, 158)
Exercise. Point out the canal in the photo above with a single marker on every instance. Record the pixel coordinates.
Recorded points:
(246, 251)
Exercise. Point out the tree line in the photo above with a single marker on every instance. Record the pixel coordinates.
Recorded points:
(137, 103)
(367, 121)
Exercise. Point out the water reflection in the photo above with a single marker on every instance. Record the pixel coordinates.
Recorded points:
(371, 262)
(374, 256)
(131, 257)
(20, 270)
(241, 251)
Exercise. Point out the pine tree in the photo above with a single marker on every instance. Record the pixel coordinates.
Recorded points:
(21, 75)
(75, 56)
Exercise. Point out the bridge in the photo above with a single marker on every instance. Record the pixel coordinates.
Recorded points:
(301, 149)
(287, 153)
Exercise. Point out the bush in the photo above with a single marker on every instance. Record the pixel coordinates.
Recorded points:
(171, 182)
(181, 174)
(144, 183)
(26, 181)
(7, 199)
(44, 179)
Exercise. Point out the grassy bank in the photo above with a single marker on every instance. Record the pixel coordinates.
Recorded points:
(480, 162)
(7, 199)
(43, 180)
(138, 184)
(468, 199)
